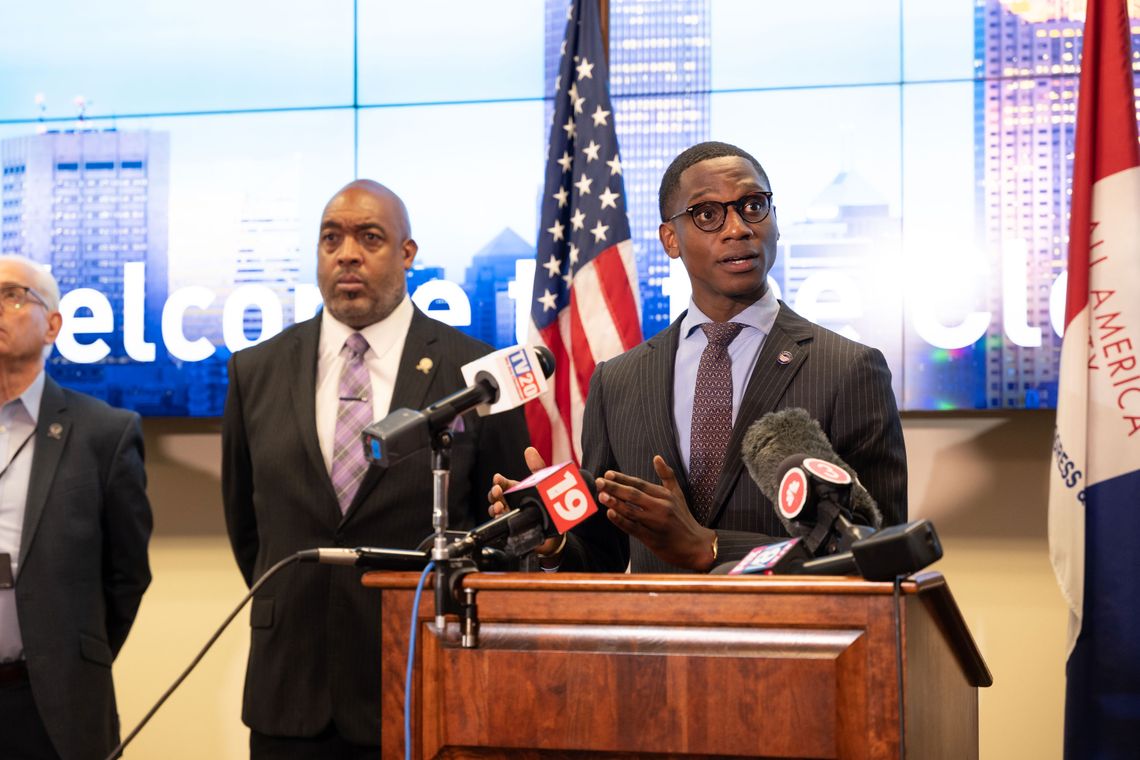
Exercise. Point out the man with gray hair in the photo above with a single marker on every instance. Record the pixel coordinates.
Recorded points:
(74, 527)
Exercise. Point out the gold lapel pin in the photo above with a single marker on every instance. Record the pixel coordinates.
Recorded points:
(425, 365)
(55, 430)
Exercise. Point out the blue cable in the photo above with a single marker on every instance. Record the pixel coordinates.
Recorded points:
(411, 661)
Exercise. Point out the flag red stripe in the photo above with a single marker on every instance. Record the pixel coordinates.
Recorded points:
(1106, 132)
(552, 337)
(580, 346)
(617, 291)
(1111, 110)
(540, 430)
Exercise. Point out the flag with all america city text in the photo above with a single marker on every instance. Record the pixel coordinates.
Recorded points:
(585, 307)
(1094, 497)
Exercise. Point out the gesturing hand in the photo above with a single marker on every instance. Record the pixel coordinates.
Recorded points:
(658, 516)
(498, 503)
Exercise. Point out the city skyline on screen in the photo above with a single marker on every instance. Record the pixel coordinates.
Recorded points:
(922, 200)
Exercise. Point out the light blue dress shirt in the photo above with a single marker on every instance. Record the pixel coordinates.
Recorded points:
(17, 424)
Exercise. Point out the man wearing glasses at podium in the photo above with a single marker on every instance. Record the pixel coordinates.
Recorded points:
(674, 492)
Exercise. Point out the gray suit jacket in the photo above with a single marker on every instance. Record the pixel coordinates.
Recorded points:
(83, 565)
(315, 641)
(845, 385)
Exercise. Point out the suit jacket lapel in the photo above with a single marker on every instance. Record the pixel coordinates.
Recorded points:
(53, 425)
(784, 350)
(662, 433)
(302, 369)
(419, 364)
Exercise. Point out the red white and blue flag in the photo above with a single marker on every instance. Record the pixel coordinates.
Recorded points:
(1094, 494)
(585, 307)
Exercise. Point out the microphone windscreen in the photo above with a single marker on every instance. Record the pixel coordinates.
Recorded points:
(779, 435)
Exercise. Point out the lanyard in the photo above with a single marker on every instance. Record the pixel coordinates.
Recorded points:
(13, 457)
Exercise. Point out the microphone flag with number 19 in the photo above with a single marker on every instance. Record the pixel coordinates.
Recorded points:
(1094, 489)
(585, 306)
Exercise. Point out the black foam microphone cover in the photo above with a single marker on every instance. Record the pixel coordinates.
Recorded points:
(779, 435)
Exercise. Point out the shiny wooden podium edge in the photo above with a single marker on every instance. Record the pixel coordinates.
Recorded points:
(785, 626)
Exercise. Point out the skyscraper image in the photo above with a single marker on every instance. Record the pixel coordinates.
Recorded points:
(487, 283)
(86, 202)
(1027, 64)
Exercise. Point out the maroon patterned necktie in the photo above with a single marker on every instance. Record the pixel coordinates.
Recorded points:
(712, 416)
(353, 414)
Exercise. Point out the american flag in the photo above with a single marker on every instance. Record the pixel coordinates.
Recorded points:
(585, 306)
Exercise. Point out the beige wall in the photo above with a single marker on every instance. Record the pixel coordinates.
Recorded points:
(982, 479)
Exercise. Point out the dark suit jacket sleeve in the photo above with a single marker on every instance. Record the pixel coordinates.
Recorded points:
(867, 433)
(237, 479)
(596, 545)
(127, 525)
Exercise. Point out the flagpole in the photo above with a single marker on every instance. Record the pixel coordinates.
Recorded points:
(604, 16)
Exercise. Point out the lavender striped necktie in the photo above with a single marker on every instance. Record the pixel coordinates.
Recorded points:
(353, 413)
(712, 416)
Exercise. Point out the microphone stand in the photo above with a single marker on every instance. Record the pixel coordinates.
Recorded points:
(449, 572)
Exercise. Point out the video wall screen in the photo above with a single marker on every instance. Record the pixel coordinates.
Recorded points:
(170, 164)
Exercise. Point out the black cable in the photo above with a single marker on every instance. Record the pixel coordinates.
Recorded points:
(899, 665)
(118, 751)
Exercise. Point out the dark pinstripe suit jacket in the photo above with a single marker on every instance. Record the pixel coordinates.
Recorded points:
(315, 642)
(845, 385)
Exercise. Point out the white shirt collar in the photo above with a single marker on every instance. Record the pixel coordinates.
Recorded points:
(32, 396)
(381, 336)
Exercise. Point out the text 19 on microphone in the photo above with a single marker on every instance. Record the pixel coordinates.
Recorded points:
(562, 492)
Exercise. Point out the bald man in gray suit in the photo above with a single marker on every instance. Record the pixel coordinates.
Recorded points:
(645, 424)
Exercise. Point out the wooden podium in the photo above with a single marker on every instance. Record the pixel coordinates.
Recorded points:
(596, 666)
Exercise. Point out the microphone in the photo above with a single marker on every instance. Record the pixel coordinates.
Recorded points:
(882, 556)
(780, 558)
(789, 557)
(514, 373)
(897, 550)
(523, 529)
(778, 435)
(368, 557)
(562, 492)
(501, 380)
(814, 501)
